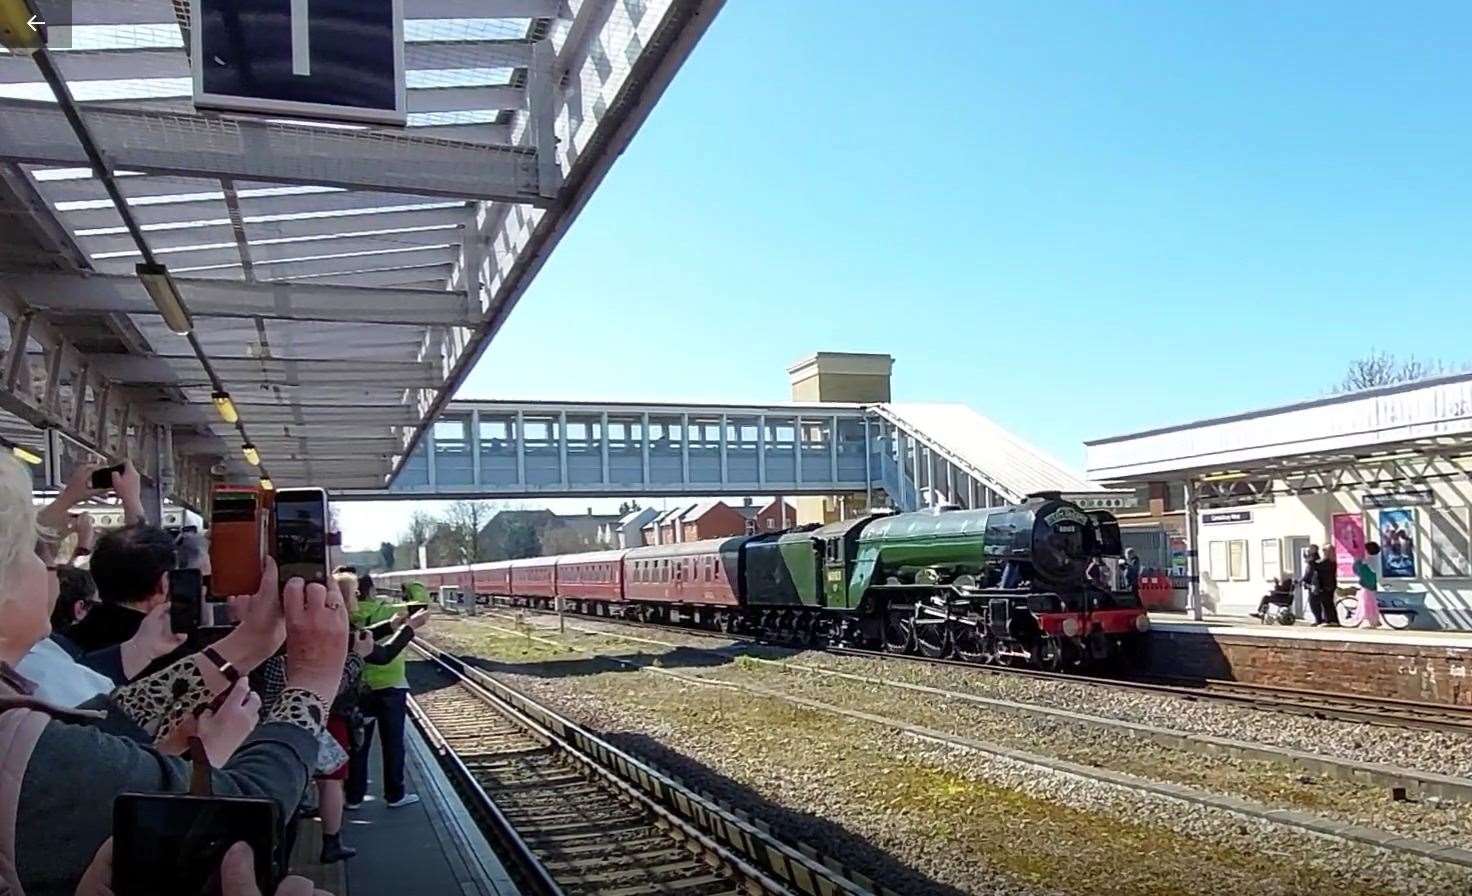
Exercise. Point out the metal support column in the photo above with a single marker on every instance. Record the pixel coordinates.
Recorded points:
(761, 449)
(685, 449)
(951, 483)
(868, 467)
(644, 441)
(725, 466)
(833, 448)
(797, 450)
(475, 447)
(520, 437)
(603, 430)
(430, 456)
(562, 445)
(901, 457)
(1193, 554)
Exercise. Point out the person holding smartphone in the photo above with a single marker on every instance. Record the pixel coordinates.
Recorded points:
(64, 768)
(386, 702)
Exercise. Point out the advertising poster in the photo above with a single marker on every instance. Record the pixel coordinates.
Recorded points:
(1349, 541)
(1177, 557)
(1398, 544)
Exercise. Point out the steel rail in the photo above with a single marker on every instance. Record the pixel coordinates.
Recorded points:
(763, 862)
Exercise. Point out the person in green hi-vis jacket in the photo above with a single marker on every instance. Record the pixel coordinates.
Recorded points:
(386, 700)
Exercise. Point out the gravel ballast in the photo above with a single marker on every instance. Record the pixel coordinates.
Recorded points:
(888, 802)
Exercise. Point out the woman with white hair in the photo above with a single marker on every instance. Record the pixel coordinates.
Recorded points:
(60, 769)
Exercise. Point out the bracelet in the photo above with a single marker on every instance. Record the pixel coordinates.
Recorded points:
(224, 666)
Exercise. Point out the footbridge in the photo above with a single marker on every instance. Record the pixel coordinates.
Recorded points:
(912, 455)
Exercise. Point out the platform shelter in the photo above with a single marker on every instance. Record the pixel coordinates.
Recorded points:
(1391, 465)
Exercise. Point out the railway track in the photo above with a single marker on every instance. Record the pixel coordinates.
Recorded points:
(1298, 701)
(1348, 831)
(574, 815)
(1319, 704)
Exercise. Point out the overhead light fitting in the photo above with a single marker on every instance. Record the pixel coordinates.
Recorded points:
(267, 485)
(225, 406)
(252, 456)
(1224, 477)
(166, 298)
(26, 455)
(1389, 458)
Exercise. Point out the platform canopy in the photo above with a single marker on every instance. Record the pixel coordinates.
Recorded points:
(342, 278)
(1388, 438)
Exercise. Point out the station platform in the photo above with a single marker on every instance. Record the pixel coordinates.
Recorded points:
(1433, 666)
(434, 846)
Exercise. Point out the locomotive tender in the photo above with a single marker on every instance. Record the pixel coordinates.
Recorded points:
(1003, 584)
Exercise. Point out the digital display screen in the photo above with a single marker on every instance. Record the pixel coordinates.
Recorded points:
(340, 58)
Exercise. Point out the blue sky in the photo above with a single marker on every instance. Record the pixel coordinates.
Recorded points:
(1080, 218)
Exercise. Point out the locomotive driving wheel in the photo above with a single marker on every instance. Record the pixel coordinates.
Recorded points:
(1048, 654)
(899, 631)
(933, 639)
(972, 643)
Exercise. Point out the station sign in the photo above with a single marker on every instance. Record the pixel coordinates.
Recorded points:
(1408, 497)
(339, 60)
(1226, 517)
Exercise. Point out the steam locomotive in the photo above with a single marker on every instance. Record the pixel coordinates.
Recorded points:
(999, 585)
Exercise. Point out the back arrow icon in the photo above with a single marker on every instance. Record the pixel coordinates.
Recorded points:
(33, 22)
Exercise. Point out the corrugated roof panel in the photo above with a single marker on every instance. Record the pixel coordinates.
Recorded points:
(991, 449)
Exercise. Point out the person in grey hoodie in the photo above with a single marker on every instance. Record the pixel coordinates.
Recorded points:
(61, 769)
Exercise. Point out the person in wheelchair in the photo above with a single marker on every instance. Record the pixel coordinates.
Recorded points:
(1280, 597)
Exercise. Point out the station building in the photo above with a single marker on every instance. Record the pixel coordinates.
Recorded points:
(1391, 465)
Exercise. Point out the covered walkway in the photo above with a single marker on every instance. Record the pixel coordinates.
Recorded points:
(313, 290)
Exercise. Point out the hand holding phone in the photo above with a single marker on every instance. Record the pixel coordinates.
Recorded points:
(170, 843)
(102, 476)
(301, 534)
(186, 601)
(224, 726)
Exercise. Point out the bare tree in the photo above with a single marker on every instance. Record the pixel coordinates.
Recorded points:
(463, 523)
(421, 527)
(1380, 368)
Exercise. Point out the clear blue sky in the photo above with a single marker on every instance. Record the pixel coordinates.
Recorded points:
(1080, 218)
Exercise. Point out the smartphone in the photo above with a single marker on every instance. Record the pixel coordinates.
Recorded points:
(237, 540)
(380, 630)
(186, 601)
(171, 843)
(103, 478)
(301, 534)
(415, 609)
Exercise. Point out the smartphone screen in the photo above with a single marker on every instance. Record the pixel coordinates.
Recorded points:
(301, 534)
(103, 478)
(186, 601)
(169, 843)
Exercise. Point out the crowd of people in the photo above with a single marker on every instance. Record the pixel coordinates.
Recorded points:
(100, 697)
(1320, 581)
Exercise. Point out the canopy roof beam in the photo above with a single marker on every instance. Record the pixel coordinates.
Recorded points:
(245, 149)
(117, 293)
